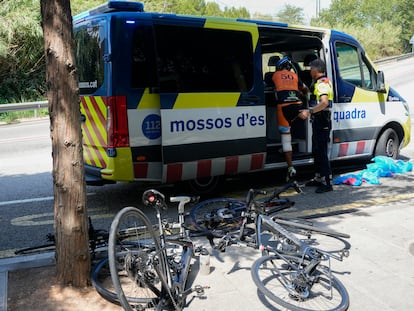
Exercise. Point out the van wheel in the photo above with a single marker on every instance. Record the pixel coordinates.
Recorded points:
(388, 144)
(204, 185)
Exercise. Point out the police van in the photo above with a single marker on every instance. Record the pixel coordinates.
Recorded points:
(169, 98)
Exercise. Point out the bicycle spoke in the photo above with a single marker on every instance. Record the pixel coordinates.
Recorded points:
(283, 281)
(134, 254)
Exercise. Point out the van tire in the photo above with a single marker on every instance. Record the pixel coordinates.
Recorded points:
(388, 144)
(204, 185)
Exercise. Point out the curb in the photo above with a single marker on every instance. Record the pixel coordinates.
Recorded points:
(23, 262)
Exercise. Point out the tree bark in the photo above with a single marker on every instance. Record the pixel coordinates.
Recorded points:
(70, 214)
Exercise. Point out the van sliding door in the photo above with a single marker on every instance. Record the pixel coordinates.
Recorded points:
(212, 112)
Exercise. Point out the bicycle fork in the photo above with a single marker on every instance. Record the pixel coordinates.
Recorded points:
(174, 286)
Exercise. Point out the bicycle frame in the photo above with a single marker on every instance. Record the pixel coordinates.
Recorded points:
(177, 272)
(255, 208)
(270, 225)
(309, 258)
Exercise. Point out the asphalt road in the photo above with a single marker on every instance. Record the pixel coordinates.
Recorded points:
(26, 194)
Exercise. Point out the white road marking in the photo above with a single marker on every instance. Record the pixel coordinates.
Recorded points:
(36, 219)
(26, 201)
(32, 200)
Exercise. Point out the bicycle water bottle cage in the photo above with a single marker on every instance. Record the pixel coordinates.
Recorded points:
(154, 198)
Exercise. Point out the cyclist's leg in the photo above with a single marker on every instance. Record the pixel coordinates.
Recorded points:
(285, 137)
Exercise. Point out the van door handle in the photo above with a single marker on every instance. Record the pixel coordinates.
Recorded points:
(345, 99)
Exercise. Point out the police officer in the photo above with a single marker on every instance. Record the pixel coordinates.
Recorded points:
(319, 111)
(289, 90)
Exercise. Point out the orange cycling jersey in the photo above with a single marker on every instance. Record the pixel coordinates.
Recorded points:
(285, 80)
(287, 93)
(287, 85)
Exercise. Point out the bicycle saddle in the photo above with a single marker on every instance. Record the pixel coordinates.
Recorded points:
(154, 198)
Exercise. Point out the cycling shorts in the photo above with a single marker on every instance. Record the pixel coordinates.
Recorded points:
(286, 114)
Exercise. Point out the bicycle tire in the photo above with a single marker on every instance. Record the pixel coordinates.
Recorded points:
(217, 216)
(102, 282)
(268, 273)
(131, 250)
(323, 239)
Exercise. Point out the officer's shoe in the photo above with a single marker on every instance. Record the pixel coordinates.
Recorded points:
(313, 183)
(324, 188)
(291, 173)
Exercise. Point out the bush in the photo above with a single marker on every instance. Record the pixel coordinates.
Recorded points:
(21, 51)
(380, 40)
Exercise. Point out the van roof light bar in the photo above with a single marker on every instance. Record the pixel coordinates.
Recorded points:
(116, 6)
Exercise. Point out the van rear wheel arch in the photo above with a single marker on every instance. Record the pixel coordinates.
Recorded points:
(205, 185)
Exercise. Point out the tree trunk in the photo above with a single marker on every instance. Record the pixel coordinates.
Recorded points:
(70, 215)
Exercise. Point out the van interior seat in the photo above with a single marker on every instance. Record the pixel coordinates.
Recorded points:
(305, 75)
(268, 75)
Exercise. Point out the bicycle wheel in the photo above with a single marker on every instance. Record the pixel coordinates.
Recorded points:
(102, 282)
(135, 260)
(321, 238)
(281, 281)
(217, 216)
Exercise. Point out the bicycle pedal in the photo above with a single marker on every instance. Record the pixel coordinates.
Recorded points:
(200, 289)
(221, 246)
(198, 250)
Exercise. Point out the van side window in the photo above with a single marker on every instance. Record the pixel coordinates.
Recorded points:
(353, 68)
(89, 51)
(143, 58)
(368, 74)
(196, 59)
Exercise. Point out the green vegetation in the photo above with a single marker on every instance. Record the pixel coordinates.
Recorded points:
(21, 51)
(383, 27)
(291, 14)
(14, 116)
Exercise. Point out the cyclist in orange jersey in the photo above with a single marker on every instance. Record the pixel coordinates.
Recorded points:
(289, 91)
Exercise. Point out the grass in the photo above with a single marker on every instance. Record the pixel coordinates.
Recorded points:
(14, 116)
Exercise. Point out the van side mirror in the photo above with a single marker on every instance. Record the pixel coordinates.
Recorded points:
(380, 82)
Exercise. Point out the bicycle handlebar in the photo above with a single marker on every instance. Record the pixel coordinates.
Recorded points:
(252, 193)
